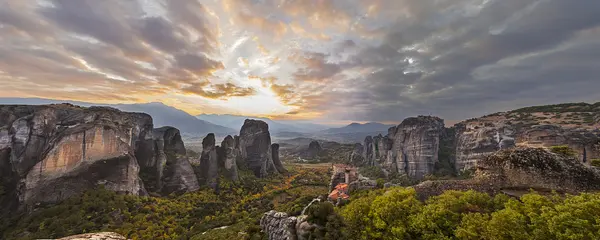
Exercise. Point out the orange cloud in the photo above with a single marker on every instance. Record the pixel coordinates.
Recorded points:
(219, 91)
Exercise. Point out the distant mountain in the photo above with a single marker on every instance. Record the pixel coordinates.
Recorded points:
(360, 128)
(162, 115)
(236, 121)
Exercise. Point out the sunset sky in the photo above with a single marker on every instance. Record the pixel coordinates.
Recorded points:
(355, 60)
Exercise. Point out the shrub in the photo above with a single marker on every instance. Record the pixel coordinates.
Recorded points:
(595, 162)
(563, 150)
(372, 172)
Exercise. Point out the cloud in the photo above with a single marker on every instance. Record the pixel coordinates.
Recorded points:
(380, 60)
(199, 64)
(220, 91)
(316, 67)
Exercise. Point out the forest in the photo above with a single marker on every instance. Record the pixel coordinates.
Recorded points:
(383, 213)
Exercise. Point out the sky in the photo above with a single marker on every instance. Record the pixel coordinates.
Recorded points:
(337, 60)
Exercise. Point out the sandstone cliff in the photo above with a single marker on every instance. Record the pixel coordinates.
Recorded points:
(410, 148)
(516, 171)
(57, 151)
(209, 162)
(575, 125)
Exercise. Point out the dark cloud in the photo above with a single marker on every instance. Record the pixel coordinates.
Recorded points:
(314, 67)
(380, 60)
(488, 60)
(197, 63)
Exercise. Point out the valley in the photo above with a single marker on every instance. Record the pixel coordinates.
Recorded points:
(68, 170)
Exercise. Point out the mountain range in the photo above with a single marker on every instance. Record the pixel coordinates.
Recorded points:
(162, 115)
(225, 124)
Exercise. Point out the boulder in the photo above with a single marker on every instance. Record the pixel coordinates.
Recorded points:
(96, 236)
(58, 151)
(255, 147)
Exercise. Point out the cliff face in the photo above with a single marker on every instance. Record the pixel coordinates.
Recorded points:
(255, 147)
(516, 171)
(164, 165)
(573, 125)
(57, 151)
(410, 148)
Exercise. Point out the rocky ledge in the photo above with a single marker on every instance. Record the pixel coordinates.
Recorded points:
(519, 170)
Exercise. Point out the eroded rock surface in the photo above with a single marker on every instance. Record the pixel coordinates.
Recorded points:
(209, 168)
(228, 157)
(96, 236)
(521, 169)
(411, 148)
(57, 151)
(255, 147)
(276, 160)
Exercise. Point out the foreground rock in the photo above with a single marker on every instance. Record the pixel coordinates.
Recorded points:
(255, 147)
(96, 236)
(516, 171)
(58, 151)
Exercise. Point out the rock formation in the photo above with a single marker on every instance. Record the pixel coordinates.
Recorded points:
(280, 226)
(481, 137)
(96, 236)
(356, 156)
(313, 151)
(57, 151)
(228, 157)
(276, 160)
(164, 165)
(517, 170)
(255, 147)
(410, 148)
(209, 162)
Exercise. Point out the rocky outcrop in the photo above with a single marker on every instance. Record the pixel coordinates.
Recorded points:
(520, 169)
(279, 226)
(165, 167)
(356, 156)
(96, 236)
(209, 168)
(178, 176)
(411, 148)
(255, 147)
(479, 138)
(313, 151)
(57, 151)
(228, 157)
(276, 160)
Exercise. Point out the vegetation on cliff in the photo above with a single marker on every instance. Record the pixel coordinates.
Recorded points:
(238, 206)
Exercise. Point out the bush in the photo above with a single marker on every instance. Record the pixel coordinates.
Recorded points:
(396, 214)
(372, 172)
(563, 150)
(595, 162)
